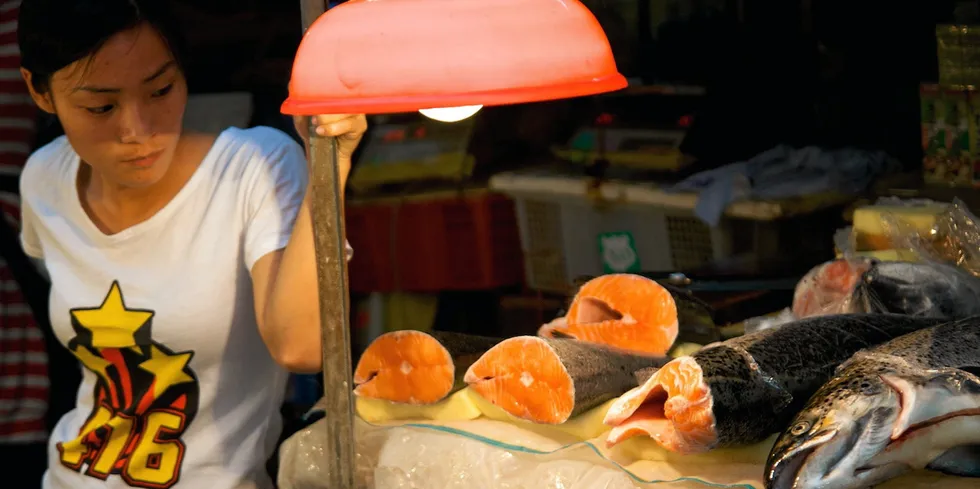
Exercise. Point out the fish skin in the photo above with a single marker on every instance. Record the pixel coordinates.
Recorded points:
(889, 409)
(598, 373)
(924, 289)
(695, 318)
(464, 350)
(757, 382)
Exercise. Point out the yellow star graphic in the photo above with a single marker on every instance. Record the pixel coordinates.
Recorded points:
(112, 325)
(96, 364)
(167, 370)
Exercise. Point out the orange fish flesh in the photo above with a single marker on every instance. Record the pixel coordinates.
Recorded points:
(624, 311)
(413, 367)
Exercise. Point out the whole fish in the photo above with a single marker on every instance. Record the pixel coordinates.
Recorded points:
(549, 381)
(742, 390)
(911, 403)
(924, 289)
(414, 367)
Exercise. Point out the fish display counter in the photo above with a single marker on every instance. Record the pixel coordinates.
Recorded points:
(878, 388)
(492, 454)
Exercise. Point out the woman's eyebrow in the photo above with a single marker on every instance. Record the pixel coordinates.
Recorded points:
(156, 74)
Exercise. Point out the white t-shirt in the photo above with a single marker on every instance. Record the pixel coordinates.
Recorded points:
(178, 389)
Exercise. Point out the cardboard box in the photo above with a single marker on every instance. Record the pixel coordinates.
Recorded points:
(950, 122)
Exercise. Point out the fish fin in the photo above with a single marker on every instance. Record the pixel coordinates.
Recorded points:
(906, 397)
(973, 369)
(880, 418)
(961, 461)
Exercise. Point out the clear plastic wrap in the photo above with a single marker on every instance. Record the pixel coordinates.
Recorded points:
(828, 288)
(913, 230)
(954, 238)
(489, 454)
(891, 222)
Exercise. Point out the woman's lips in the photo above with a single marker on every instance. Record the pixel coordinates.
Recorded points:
(144, 161)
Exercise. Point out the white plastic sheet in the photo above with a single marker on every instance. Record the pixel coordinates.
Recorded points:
(487, 454)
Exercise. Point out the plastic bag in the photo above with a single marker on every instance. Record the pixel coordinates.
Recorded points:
(891, 222)
(492, 454)
(497, 455)
(301, 455)
(954, 238)
(828, 288)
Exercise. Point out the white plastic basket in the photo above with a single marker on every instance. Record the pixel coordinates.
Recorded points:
(560, 225)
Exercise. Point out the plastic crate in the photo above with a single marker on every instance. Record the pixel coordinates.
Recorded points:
(430, 243)
(560, 228)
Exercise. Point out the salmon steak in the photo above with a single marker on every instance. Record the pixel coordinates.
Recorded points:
(624, 311)
(414, 367)
(741, 391)
(549, 381)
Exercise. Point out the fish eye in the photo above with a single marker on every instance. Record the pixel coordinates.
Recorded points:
(800, 428)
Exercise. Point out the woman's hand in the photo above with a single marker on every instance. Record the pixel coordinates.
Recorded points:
(348, 129)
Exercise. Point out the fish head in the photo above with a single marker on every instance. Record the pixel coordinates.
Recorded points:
(915, 289)
(832, 440)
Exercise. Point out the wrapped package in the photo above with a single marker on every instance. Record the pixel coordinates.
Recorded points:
(954, 237)
(874, 228)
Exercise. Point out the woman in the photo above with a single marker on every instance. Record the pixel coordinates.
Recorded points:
(182, 265)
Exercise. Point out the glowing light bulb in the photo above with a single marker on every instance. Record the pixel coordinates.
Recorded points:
(451, 114)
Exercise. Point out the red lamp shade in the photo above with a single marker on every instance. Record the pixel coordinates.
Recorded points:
(388, 56)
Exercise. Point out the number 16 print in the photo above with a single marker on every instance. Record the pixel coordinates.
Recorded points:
(145, 397)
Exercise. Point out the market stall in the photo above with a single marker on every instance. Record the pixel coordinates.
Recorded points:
(503, 437)
(606, 396)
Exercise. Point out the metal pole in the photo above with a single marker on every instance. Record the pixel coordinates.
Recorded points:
(331, 268)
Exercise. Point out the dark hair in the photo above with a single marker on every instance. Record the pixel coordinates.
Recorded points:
(53, 34)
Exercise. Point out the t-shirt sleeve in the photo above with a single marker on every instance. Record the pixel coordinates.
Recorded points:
(29, 239)
(274, 198)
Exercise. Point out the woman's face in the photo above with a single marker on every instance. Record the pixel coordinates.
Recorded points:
(122, 108)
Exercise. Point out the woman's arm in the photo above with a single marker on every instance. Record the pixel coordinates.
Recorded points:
(285, 281)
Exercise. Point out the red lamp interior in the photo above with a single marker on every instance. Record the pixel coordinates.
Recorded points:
(388, 56)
